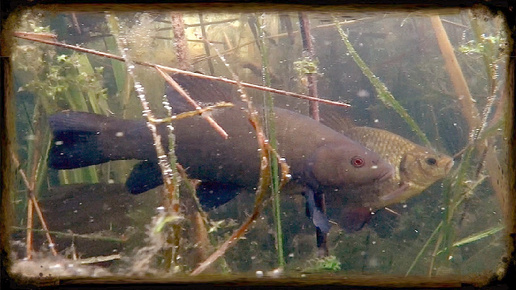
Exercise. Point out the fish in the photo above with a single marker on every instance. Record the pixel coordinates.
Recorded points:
(321, 159)
(97, 219)
(416, 168)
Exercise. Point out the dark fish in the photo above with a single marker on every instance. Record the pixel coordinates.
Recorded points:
(103, 216)
(69, 207)
(320, 159)
(416, 168)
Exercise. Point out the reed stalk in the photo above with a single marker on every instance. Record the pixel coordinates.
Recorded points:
(480, 143)
(309, 52)
(33, 204)
(180, 42)
(265, 179)
(206, 46)
(270, 129)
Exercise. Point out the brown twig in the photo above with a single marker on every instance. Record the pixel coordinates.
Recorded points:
(238, 233)
(285, 34)
(35, 205)
(29, 36)
(197, 217)
(265, 175)
(182, 92)
(309, 51)
(258, 87)
(469, 110)
(30, 226)
(170, 193)
(180, 42)
(206, 46)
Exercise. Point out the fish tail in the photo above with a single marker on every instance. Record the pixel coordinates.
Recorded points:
(76, 140)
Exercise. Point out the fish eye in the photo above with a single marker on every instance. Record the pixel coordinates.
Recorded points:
(357, 161)
(431, 161)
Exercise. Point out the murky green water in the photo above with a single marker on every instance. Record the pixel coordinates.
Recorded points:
(390, 68)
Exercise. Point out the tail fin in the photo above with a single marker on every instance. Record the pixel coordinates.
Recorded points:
(75, 142)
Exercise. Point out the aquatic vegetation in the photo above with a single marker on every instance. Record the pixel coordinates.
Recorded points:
(446, 227)
(328, 263)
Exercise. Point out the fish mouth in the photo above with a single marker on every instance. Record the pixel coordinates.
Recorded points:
(449, 166)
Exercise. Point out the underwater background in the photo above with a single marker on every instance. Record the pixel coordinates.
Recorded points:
(390, 67)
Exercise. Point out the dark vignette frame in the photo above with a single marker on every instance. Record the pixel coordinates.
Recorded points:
(505, 7)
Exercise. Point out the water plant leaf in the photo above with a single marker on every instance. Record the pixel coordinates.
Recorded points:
(382, 91)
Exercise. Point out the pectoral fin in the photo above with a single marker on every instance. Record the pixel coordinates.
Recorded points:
(319, 219)
(145, 175)
(214, 194)
(396, 193)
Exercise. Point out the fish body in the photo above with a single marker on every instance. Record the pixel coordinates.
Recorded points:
(320, 159)
(416, 168)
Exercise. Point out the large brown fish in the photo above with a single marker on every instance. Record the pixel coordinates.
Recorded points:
(320, 159)
(416, 168)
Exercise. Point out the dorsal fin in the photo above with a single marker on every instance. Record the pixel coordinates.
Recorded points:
(335, 120)
(206, 90)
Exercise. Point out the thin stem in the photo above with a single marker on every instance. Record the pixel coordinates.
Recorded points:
(206, 46)
(382, 92)
(27, 36)
(170, 191)
(35, 204)
(265, 174)
(271, 129)
(423, 249)
(180, 42)
(309, 51)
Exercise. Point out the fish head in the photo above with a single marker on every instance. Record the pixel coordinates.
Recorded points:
(418, 170)
(424, 167)
(344, 165)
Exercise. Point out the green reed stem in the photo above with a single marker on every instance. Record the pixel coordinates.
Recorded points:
(423, 249)
(270, 128)
(478, 236)
(382, 91)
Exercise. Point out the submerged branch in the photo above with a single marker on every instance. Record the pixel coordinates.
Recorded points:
(182, 92)
(35, 204)
(26, 36)
(190, 114)
(265, 180)
(180, 43)
(309, 51)
(170, 192)
(92, 236)
(469, 110)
